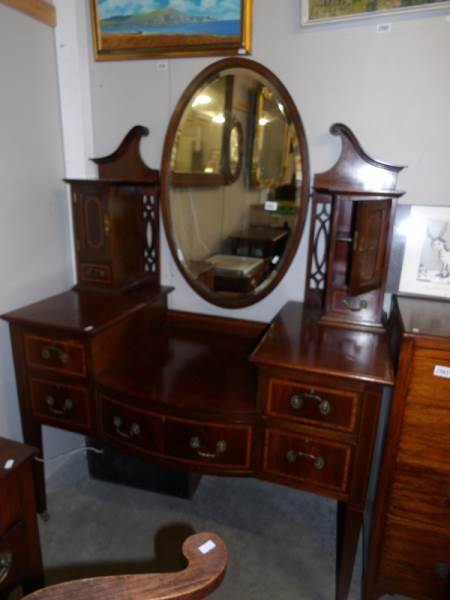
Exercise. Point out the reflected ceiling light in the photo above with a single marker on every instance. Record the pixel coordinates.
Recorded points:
(263, 121)
(220, 118)
(201, 100)
(281, 108)
(208, 170)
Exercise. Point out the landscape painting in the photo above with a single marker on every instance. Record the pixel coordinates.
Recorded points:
(319, 11)
(130, 29)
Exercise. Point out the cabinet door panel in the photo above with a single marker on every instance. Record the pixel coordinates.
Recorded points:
(92, 225)
(369, 245)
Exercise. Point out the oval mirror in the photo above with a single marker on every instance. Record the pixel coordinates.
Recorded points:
(234, 182)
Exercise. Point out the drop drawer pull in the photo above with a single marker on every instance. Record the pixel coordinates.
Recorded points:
(5, 564)
(195, 444)
(293, 455)
(47, 351)
(361, 305)
(296, 402)
(66, 408)
(134, 430)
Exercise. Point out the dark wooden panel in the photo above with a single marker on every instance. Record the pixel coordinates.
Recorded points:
(422, 497)
(312, 404)
(316, 461)
(61, 404)
(430, 378)
(415, 563)
(13, 550)
(56, 354)
(425, 438)
(209, 443)
(131, 427)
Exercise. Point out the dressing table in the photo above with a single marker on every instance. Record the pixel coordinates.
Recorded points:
(295, 401)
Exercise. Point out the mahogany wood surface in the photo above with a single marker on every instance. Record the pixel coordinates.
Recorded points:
(410, 542)
(20, 553)
(296, 340)
(203, 574)
(350, 242)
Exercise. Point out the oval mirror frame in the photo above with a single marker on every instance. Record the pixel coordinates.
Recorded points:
(302, 194)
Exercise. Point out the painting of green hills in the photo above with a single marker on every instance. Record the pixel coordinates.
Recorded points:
(331, 9)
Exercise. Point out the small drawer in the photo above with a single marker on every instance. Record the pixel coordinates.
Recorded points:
(60, 403)
(421, 496)
(425, 437)
(415, 562)
(95, 273)
(226, 446)
(13, 557)
(131, 426)
(361, 307)
(61, 355)
(316, 462)
(313, 404)
(430, 379)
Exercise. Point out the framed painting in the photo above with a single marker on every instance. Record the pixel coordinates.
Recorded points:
(169, 28)
(426, 261)
(325, 11)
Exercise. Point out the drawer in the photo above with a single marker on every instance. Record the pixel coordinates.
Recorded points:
(425, 437)
(314, 461)
(60, 355)
(421, 496)
(430, 378)
(95, 273)
(11, 504)
(13, 557)
(131, 426)
(415, 563)
(315, 405)
(212, 443)
(61, 403)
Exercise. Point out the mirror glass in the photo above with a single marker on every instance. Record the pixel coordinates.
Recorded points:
(234, 182)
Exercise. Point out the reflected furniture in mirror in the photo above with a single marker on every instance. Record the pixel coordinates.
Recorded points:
(235, 182)
(294, 401)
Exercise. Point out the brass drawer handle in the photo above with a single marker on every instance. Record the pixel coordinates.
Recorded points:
(47, 351)
(66, 408)
(134, 430)
(442, 570)
(195, 444)
(293, 455)
(361, 305)
(296, 402)
(6, 559)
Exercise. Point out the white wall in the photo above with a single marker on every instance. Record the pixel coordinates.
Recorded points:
(392, 89)
(34, 234)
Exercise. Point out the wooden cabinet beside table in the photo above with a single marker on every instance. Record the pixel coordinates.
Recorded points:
(20, 552)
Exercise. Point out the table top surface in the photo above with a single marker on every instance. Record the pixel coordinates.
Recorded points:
(297, 340)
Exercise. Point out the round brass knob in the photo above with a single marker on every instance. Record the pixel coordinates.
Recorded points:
(296, 401)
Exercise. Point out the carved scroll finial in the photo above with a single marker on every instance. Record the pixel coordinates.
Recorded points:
(355, 169)
(126, 162)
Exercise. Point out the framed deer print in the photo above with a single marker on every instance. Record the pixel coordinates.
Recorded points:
(426, 262)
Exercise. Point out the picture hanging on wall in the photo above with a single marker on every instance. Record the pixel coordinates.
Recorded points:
(426, 262)
(325, 11)
(124, 30)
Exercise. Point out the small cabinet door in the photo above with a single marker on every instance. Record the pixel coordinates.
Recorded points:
(93, 225)
(369, 245)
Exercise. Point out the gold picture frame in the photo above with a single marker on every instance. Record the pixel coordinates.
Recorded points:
(222, 30)
(317, 12)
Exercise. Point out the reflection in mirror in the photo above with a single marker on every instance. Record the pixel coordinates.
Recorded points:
(234, 182)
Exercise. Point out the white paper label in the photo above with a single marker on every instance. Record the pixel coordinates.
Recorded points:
(441, 371)
(207, 547)
(270, 205)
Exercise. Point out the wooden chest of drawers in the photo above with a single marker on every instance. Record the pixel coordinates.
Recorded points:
(20, 554)
(410, 545)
